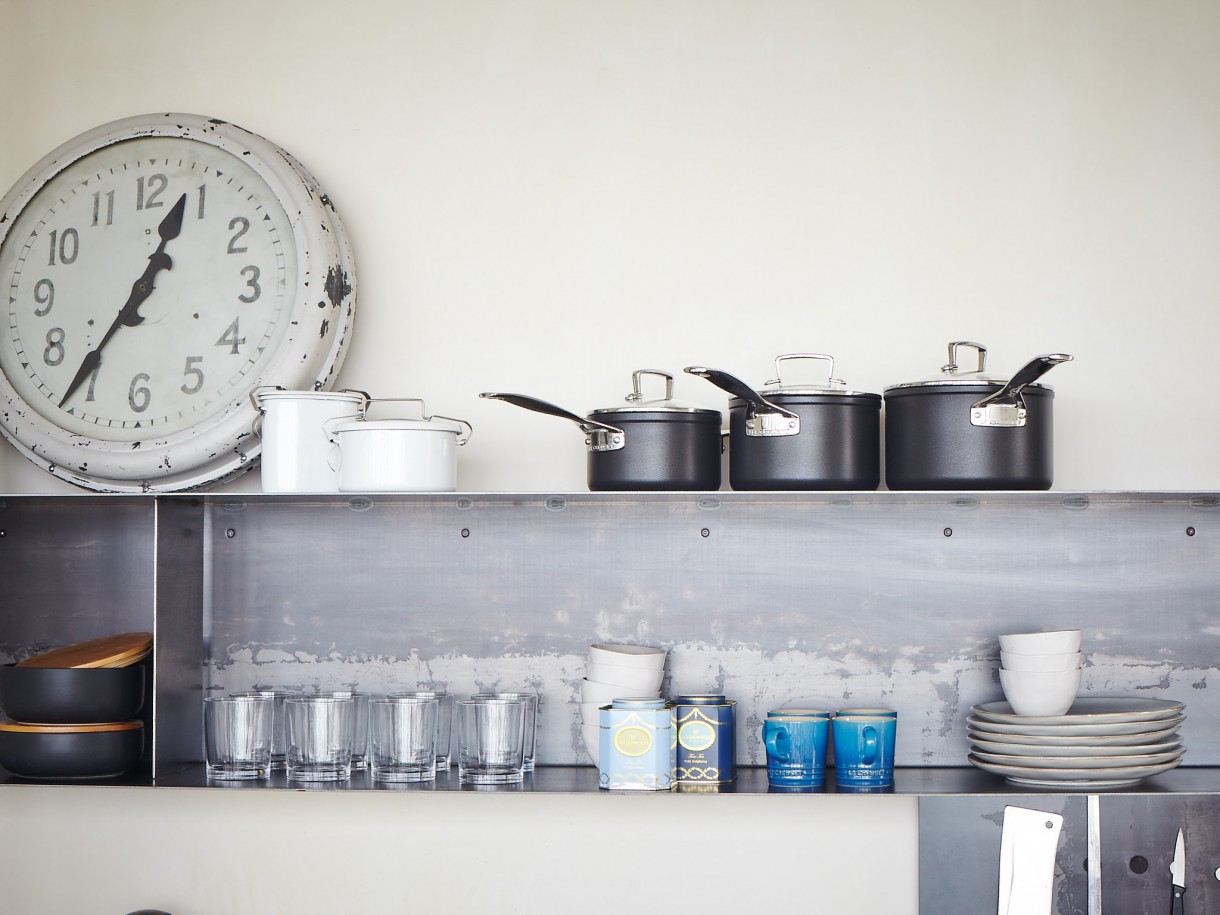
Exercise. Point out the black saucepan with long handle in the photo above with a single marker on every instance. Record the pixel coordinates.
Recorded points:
(819, 436)
(649, 445)
(966, 430)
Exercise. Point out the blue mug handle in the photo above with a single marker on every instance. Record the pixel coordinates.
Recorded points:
(870, 747)
(772, 739)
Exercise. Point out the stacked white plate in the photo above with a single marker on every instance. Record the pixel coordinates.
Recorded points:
(617, 672)
(1098, 743)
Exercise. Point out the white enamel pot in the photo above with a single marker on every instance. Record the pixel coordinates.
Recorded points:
(296, 447)
(417, 454)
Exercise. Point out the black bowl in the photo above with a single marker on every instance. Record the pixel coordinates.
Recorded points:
(71, 695)
(68, 754)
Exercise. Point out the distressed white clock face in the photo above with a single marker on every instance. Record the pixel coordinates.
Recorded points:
(149, 285)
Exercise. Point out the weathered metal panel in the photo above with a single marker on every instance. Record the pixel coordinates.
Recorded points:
(841, 599)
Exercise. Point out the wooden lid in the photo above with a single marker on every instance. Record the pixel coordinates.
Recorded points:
(27, 728)
(108, 651)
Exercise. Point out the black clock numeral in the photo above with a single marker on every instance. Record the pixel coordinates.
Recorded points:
(138, 395)
(252, 274)
(97, 207)
(44, 295)
(54, 353)
(147, 194)
(193, 371)
(203, 192)
(242, 225)
(230, 338)
(67, 246)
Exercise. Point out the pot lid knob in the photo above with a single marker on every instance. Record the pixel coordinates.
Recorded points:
(637, 395)
(952, 367)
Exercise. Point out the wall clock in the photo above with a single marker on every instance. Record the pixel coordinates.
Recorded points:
(155, 271)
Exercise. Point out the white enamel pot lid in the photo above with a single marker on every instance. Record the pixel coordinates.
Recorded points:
(270, 394)
(422, 423)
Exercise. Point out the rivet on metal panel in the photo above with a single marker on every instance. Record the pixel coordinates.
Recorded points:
(554, 503)
(708, 503)
(465, 532)
(230, 533)
(964, 502)
(841, 502)
(359, 504)
(1190, 532)
(705, 533)
(465, 504)
(948, 532)
(234, 505)
(1218, 873)
(1075, 503)
(1138, 864)
(1205, 503)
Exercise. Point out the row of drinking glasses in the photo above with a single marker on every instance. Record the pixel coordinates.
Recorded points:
(401, 737)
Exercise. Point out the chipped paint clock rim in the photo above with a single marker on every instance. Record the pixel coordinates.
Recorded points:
(307, 307)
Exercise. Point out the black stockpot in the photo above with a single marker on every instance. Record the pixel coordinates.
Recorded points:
(963, 430)
(657, 445)
(800, 437)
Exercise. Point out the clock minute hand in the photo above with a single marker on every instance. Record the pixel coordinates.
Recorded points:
(141, 289)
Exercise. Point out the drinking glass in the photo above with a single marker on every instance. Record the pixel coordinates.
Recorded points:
(491, 741)
(444, 721)
(319, 737)
(404, 739)
(531, 719)
(237, 736)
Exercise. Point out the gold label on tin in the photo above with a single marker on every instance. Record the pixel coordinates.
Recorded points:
(632, 741)
(696, 736)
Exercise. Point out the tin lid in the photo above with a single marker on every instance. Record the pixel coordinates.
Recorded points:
(708, 699)
(632, 702)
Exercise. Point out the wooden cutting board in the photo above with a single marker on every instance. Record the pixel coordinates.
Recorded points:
(22, 727)
(108, 651)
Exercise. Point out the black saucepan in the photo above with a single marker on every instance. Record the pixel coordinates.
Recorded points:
(71, 695)
(800, 436)
(650, 445)
(71, 751)
(965, 430)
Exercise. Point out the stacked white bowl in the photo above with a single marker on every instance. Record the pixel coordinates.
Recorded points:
(616, 672)
(1040, 671)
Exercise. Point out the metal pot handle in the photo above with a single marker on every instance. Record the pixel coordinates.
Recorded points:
(462, 438)
(952, 366)
(637, 395)
(600, 437)
(1006, 407)
(763, 418)
(257, 394)
(830, 370)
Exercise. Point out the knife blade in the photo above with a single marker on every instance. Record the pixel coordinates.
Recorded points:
(1177, 871)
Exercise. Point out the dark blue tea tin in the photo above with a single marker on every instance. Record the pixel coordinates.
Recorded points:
(706, 747)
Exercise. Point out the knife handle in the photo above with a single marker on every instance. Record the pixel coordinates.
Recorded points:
(1179, 905)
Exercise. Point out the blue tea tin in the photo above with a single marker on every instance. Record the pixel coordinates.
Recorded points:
(706, 747)
(638, 745)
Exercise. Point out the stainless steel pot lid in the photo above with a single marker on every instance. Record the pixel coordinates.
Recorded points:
(638, 403)
(835, 386)
(421, 423)
(954, 374)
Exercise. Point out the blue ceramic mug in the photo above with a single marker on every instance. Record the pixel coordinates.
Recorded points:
(864, 749)
(796, 749)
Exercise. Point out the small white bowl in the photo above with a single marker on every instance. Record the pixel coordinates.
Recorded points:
(1040, 662)
(1032, 692)
(605, 693)
(1060, 641)
(628, 656)
(590, 712)
(630, 677)
(592, 735)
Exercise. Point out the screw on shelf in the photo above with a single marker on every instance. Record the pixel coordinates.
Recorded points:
(465, 532)
(705, 533)
(948, 532)
(230, 533)
(1190, 532)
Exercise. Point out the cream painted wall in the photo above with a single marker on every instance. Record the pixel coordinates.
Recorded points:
(544, 195)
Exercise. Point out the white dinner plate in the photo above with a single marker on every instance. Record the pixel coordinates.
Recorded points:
(1073, 730)
(1093, 740)
(1086, 749)
(1081, 762)
(1074, 779)
(1088, 710)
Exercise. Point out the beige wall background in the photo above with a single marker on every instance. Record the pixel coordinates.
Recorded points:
(544, 195)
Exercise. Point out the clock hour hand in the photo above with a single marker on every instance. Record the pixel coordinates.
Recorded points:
(129, 315)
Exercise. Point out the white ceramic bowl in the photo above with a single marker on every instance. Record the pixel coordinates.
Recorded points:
(1060, 641)
(592, 735)
(628, 656)
(640, 678)
(590, 712)
(1039, 662)
(605, 693)
(1033, 692)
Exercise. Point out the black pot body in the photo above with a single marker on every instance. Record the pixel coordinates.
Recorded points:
(75, 755)
(664, 451)
(930, 443)
(71, 695)
(838, 447)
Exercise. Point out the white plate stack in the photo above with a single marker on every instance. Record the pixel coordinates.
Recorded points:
(1098, 743)
(617, 672)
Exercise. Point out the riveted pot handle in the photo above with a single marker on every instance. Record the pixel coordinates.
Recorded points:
(1006, 407)
(601, 437)
(821, 357)
(763, 418)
